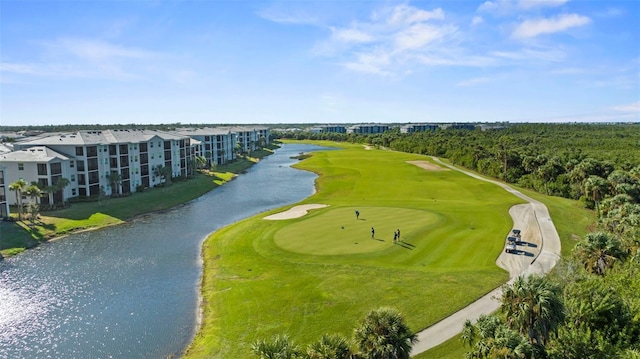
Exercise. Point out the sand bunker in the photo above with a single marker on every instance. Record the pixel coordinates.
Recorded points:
(428, 166)
(294, 212)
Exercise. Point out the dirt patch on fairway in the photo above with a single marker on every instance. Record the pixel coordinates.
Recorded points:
(368, 148)
(294, 212)
(428, 166)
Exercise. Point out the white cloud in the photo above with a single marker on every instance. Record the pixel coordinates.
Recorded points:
(506, 7)
(404, 14)
(92, 59)
(351, 35)
(374, 62)
(474, 81)
(631, 108)
(287, 16)
(96, 50)
(532, 4)
(534, 55)
(533, 28)
(420, 35)
(389, 41)
(477, 20)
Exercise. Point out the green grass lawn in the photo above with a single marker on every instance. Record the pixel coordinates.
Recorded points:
(18, 236)
(453, 348)
(307, 276)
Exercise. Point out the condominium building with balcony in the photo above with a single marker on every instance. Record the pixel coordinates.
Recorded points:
(43, 166)
(218, 144)
(118, 161)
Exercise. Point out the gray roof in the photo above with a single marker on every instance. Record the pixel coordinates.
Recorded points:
(205, 131)
(32, 154)
(105, 137)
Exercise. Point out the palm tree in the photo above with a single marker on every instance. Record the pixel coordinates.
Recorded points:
(34, 193)
(18, 186)
(383, 334)
(532, 306)
(598, 251)
(331, 346)
(489, 337)
(596, 188)
(279, 347)
(200, 162)
(115, 179)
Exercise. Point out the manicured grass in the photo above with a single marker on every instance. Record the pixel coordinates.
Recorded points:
(453, 348)
(299, 277)
(17, 236)
(336, 231)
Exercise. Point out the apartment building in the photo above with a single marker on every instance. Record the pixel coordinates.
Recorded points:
(418, 127)
(118, 161)
(368, 129)
(217, 144)
(41, 165)
(328, 129)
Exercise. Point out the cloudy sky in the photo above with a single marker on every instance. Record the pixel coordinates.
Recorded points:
(207, 61)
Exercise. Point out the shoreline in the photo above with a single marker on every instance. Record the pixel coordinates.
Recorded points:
(56, 236)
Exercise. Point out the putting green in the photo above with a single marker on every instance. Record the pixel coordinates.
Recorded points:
(336, 231)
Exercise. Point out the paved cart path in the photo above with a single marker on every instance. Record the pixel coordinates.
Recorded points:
(538, 253)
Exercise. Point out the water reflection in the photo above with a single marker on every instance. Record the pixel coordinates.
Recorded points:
(131, 290)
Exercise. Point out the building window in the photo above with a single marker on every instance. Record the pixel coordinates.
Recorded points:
(56, 168)
(73, 191)
(42, 169)
(151, 144)
(79, 151)
(73, 178)
(72, 164)
(20, 166)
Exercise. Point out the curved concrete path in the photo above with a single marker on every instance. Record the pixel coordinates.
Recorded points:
(540, 252)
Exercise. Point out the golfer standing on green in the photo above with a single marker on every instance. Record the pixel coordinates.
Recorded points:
(373, 232)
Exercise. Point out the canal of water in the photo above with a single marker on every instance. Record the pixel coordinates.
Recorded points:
(131, 291)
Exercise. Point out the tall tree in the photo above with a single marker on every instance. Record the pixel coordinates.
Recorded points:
(332, 346)
(34, 193)
(532, 307)
(18, 186)
(115, 179)
(598, 251)
(279, 347)
(489, 337)
(596, 187)
(383, 334)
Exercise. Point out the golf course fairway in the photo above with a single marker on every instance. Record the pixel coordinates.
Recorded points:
(322, 272)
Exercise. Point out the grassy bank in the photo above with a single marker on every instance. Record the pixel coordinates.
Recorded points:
(18, 236)
(322, 272)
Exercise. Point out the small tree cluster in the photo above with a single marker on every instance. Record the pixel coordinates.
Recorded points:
(382, 334)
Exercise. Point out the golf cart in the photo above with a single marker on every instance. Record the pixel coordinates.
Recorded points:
(511, 245)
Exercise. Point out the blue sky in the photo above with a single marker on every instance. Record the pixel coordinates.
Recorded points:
(88, 62)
